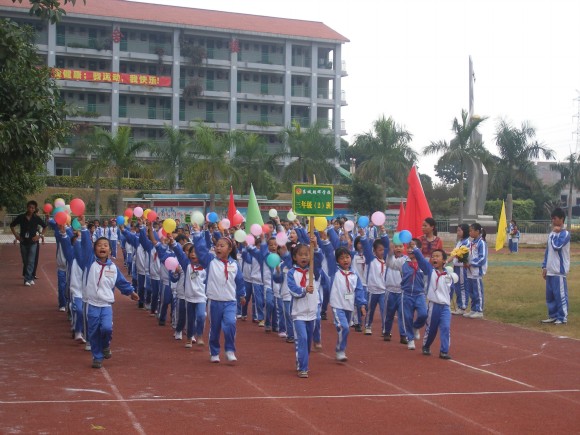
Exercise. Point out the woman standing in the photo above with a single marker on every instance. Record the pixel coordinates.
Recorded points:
(429, 240)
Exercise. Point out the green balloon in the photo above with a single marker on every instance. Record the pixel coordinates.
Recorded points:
(76, 225)
(396, 239)
(273, 260)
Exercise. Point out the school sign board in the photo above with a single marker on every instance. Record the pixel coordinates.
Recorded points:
(313, 200)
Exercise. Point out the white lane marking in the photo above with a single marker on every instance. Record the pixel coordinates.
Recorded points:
(136, 425)
(492, 373)
(82, 390)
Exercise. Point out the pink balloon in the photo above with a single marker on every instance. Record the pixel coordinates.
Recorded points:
(378, 218)
(281, 239)
(151, 216)
(225, 223)
(256, 229)
(161, 233)
(77, 206)
(171, 263)
(349, 225)
(138, 212)
(250, 240)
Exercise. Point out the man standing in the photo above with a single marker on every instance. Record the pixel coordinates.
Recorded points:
(28, 238)
(555, 268)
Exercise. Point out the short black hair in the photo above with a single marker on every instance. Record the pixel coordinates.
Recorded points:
(32, 202)
(559, 213)
(477, 227)
(418, 243)
(443, 253)
(340, 252)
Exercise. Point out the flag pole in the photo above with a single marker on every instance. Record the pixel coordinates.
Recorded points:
(311, 231)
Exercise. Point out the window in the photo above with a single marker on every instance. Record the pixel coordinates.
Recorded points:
(92, 65)
(132, 100)
(102, 65)
(142, 101)
(71, 29)
(123, 68)
(564, 200)
(62, 169)
(132, 35)
(143, 36)
(82, 97)
(60, 63)
(70, 63)
(101, 98)
(578, 200)
(132, 67)
(82, 64)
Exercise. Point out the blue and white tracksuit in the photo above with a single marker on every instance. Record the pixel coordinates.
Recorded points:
(376, 277)
(393, 299)
(460, 287)
(75, 282)
(225, 284)
(112, 233)
(267, 283)
(284, 298)
(413, 295)
(62, 267)
(359, 265)
(247, 274)
(257, 285)
(154, 269)
(346, 293)
(513, 238)
(475, 272)
(305, 308)
(100, 280)
(166, 299)
(557, 265)
(439, 296)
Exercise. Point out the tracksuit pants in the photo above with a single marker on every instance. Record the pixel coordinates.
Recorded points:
(374, 300)
(303, 332)
(243, 310)
(155, 289)
(166, 301)
(412, 303)
(460, 288)
(61, 282)
(288, 319)
(222, 316)
(393, 306)
(271, 319)
(259, 301)
(557, 297)
(438, 318)
(475, 287)
(100, 329)
(342, 322)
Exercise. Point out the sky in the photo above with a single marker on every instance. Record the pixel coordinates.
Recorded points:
(408, 59)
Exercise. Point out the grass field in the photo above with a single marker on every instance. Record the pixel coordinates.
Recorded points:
(515, 291)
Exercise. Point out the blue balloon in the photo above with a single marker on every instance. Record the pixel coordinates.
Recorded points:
(120, 220)
(213, 217)
(363, 221)
(405, 236)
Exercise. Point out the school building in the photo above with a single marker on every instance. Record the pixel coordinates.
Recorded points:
(125, 63)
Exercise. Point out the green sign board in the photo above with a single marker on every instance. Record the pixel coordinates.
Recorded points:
(313, 200)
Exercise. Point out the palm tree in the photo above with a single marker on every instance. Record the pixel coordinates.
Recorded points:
(93, 163)
(255, 164)
(516, 151)
(312, 153)
(463, 146)
(120, 151)
(211, 171)
(173, 155)
(385, 153)
(570, 176)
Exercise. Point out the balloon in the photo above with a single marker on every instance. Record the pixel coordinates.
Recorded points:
(47, 208)
(197, 217)
(171, 263)
(76, 225)
(250, 240)
(59, 202)
(320, 223)
(212, 217)
(273, 213)
(349, 226)
(169, 225)
(449, 269)
(225, 223)
(126, 220)
(273, 260)
(138, 212)
(281, 239)
(291, 216)
(68, 219)
(161, 233)
(129, 213)
(378, 218)
(240, 236)
(151, 216)
(67, 209)
(120, 220)
(455, 278)
(256, 229)
(266, 229)
(146, 212)
(363, 221)
(77, 206)
(405, 236)
(396, 239)
(60, 217)
(237, 219)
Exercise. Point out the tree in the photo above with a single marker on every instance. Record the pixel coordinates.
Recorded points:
(255, 165)
(211, 171)
(463, 146)
(120, 152)
(48, 9)
(366, 197)
(385, 153)
(174, 154)
(312, 153)
(32, 116)
(570, 176)
(516, 151)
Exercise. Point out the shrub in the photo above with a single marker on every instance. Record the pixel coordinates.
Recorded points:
(107, 183)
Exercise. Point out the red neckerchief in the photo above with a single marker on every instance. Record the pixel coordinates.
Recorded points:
(346, 275)
(415, 266)
(103, 265)
(225, 262)
(196, 267)
(303, 279)
(382, 265)
(439, 275)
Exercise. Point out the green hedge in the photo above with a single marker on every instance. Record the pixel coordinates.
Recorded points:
(107, 183)
(523, 209)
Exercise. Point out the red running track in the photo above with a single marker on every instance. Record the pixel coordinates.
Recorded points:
(502, 379)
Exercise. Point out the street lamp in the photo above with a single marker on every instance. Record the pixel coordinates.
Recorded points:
(352, 165)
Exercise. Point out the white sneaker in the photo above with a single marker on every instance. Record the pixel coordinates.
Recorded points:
(458, 312)
(468, 314)
(548, 320)
(368, 331)
(341, 356)
(32, 282)
(79, 337)
(27, 284)
(476, 315)
(411, 345)
(214, 359)
(88, 346)
(178, 335)
(200, 341)
(62, 309)
(417, 333)
(231, 356)
(282, 335)
(560, 322)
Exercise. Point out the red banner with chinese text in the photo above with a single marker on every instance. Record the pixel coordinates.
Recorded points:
(110, 77)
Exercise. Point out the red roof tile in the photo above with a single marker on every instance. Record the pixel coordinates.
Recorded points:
(198, 18)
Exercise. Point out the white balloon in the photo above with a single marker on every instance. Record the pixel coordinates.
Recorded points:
(291, 216)
(349, 225)
(455, 278)
(198, 217)
(273, 213)
(449, 269)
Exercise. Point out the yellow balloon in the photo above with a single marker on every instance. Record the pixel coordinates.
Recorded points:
(169, 225)
(320, 223)
(146, 212)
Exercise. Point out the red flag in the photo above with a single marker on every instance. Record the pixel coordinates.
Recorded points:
(401, 221)
(417, 207)
(232, 206)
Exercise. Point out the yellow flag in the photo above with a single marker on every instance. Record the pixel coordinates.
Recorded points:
(501, 229)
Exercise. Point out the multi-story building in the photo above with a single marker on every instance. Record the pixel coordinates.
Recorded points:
(550, 177)
(144, 65)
